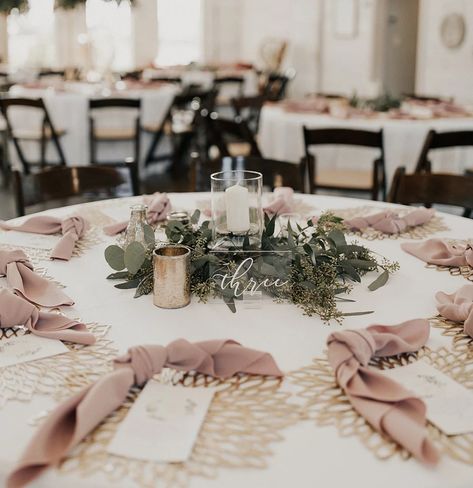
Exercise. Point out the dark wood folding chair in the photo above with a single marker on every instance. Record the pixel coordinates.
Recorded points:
(192, 100)
(275, 173)
(347, 180)
(52, 73)
(275, 85)
(225, 83)
(231, 137)
(135, 75)
(127, 134)
(441, 140)
(249, 110)
(432, 188)
(425, 98)
(60, 183)
(45, 134)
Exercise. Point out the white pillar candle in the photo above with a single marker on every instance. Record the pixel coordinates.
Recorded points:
(238, 208)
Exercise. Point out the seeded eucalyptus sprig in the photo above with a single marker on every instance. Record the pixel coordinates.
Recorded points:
(314, 264)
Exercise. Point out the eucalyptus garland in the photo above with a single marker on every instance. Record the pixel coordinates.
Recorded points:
(322, 265)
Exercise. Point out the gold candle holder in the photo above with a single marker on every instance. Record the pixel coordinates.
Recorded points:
(171, 276)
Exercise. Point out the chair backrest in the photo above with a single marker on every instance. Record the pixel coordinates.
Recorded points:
(132, 75)
(167, 79)
(46, 73)
(425, 98)
(223, 132)
(58, 183)
(47, 125)
(441, 140)
(431, 188)
(345, 137)
(275, 87)
(98, 103)
(249, 110)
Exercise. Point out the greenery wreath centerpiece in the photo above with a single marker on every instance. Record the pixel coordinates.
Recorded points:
(322, 267)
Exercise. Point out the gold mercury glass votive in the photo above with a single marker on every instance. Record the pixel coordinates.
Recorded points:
(171, 276)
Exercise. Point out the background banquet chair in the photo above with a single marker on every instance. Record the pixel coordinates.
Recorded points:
(179, 126)
(175, 80)
(228, 87)
(77, 183)
(52, 73)
(442, 140)
(102, 133)
(341, 180)
(275, 86)
(44, 134)
(275, 173)
(426, 98)
(230, 138)
(249, 110)
(432, 188)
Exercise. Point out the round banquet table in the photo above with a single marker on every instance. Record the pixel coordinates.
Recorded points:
(68, 108)
(308, 455)
(281, 137)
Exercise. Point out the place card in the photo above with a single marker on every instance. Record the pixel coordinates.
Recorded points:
(28, 347)
(27, 239)
(449, 404)
(163, 423)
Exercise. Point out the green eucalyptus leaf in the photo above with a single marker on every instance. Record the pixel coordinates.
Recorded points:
(380, 281)
(114, 255)
(149, 235)
(353, 314)
(128, 284)
(119, 275)
(362, 263)
(195, 217)
(135, 255)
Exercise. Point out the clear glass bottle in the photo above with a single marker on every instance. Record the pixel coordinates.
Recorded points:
(135, 230)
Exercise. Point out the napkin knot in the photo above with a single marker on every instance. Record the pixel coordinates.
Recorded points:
(75, 224)
(145, 361)
(8, 257)
(15, 311)
(458, 307)
(469, 255)
(359, 344)
(159, 207)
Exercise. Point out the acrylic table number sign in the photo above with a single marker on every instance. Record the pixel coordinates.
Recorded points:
(237, 212)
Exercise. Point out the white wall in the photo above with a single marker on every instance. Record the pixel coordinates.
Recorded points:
(297, 21)
(443, 71)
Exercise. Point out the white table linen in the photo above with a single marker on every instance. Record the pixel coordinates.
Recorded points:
(309, 456)
(281, 137)
(69, 111)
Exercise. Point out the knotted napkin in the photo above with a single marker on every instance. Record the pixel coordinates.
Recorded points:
(387, 406)
(439, 252)
(71, 421)
(21, 277)
(159, 207)
(72, 229)
(15, 311)
(390, 222)
(282, 201)
(458, 307)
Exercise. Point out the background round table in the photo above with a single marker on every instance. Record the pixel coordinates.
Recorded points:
(281, 137)
(308, 456)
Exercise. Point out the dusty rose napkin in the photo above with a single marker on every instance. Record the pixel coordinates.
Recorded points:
(15, 311)
(72, 229)
(282, 201)
(457, 307)
(159, 207)
(74, 419)
(386, 405)
(437, 251)
(390, 222)
(21, 277)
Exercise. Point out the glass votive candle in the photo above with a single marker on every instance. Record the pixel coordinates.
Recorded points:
(237, 211)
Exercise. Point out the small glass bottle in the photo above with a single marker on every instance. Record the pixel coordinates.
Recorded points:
(135, 230)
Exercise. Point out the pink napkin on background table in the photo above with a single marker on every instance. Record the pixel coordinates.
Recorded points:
(71, 421)
(457, 307)
(386, 405)
(15, 311)
(72, 229)
(440, 252)
(159, 207)
(282, 201)
(21, 277)
(390, 222)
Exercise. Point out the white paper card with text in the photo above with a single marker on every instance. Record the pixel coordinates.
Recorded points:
(163, 423)
(449, 404)
(28, 347)
(27, 239)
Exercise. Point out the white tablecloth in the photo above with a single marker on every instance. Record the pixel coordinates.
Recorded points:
(309, 456)
(69, 112)
(281, 137)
